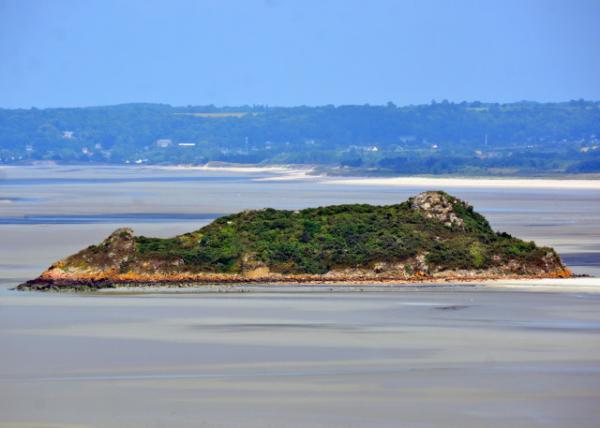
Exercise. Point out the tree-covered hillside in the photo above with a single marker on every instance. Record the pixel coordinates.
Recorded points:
(517, 138)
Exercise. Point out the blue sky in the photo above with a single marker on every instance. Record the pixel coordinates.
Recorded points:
(61, 53)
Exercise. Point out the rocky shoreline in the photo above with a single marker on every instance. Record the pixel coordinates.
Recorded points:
(91, 284)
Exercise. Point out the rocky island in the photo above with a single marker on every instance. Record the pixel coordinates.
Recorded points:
(430, 237)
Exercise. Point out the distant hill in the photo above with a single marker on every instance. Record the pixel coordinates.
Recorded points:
(431, 236)
(438, 138)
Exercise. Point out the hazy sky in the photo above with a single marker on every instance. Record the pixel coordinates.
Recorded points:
(284, 52)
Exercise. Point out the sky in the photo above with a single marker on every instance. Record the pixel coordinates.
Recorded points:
(66, 53)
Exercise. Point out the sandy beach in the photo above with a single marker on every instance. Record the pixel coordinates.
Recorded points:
(472, 182)
(284, 170)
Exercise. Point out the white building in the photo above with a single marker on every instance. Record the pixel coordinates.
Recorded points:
(164, 143)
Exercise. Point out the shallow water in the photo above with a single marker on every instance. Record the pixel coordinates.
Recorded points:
(421, 357)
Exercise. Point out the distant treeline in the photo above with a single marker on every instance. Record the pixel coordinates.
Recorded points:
(437, 138)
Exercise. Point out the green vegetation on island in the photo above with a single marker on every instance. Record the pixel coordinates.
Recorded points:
(317, 240)
(430, 235)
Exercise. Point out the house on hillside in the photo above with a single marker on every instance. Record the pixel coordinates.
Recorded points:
(163, 143)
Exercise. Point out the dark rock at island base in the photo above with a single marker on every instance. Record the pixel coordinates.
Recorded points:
(431, 237)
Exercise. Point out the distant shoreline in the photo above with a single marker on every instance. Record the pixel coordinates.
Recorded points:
(472, 182)
(245, 168)
(280, 172)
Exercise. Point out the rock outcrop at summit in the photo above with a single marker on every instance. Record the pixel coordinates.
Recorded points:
(439, 206)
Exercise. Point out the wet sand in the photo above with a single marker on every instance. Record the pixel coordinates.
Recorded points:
(420, 357)
(554, 285)
(524, 354)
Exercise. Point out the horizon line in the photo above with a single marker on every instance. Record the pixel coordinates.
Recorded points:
(276, 106)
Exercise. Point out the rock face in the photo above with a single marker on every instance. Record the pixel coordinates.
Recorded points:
(439, 206)
(432, 236)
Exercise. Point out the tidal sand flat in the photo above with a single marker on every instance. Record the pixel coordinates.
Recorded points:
(421, 357)
(474, 355)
